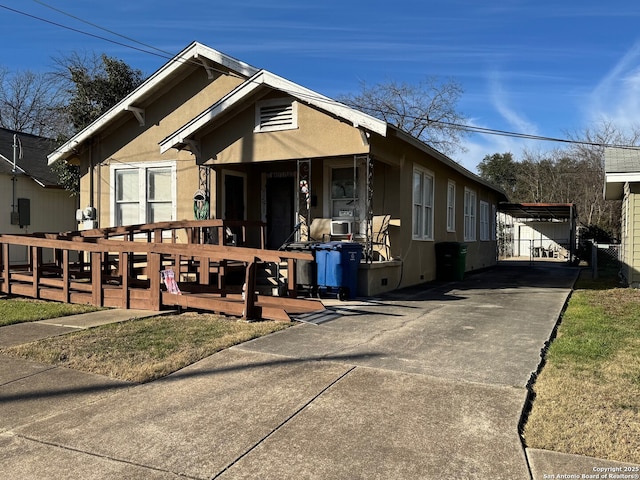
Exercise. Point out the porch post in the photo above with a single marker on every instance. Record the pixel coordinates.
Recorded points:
(303, 198)
(368, 247)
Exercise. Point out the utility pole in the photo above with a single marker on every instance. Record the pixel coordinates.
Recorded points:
(14, 179)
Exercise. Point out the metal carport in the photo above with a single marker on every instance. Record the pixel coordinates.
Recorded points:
(537, 230)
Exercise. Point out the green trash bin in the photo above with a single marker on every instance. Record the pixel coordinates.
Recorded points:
(451, 260)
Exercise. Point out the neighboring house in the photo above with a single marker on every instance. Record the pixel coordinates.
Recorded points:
(537, 230)
(622, 182)
(31, 198)
(259, 147)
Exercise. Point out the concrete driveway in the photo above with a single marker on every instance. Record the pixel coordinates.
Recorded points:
(424, 383)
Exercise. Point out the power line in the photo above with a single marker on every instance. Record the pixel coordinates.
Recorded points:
(163, 52)
(151, 50)
(160, 53)
(503, 133)
(60, 25)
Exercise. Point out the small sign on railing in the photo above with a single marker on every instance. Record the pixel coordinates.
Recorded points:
(169, 279)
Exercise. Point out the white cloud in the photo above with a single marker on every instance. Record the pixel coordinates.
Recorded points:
(500, 100)
(616, 98)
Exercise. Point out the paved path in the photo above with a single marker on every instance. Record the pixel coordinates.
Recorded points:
(421, 384)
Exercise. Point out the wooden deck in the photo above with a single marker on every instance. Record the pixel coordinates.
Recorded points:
(122, 267)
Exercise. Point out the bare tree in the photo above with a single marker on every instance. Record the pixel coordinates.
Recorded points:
(29, 103)
(571, 175)
(589, 151)
(426, 110)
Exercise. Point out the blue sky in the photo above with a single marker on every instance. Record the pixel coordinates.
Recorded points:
(529, 66)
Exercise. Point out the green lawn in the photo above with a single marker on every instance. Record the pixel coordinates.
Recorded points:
(19, 310)
(587, 397)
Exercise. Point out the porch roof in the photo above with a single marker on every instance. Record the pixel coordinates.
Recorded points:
(195, 54)
(265, 79)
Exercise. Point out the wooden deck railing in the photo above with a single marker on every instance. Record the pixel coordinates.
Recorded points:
(94, 268)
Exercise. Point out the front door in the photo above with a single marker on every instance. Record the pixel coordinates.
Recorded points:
(280, 211)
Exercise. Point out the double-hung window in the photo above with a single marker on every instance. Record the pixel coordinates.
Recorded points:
(451, 206)
(469, 215)
(423, 186)
(143, 193)
(484, 221)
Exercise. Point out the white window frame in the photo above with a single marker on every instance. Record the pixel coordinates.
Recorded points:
(276, 102)
(422, 208)
(484, 222)
(451, 206)
(142, 168)
(470, 215)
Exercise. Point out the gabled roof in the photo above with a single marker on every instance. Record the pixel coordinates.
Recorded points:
(621, 165)
(34, 157)
(195, 53)
(264, 79)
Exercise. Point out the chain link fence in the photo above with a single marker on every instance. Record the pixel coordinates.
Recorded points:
(606, 260)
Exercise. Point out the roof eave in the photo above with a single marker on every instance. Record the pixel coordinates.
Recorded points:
(193, 51)
(446, 160)
(264, 78)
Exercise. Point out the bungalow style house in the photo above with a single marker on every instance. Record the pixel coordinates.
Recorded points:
(30, 195)
(622, 182)
(208, 135)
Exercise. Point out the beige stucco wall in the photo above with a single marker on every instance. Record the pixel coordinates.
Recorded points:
(418, 256)
(127, 143)
(317, 135)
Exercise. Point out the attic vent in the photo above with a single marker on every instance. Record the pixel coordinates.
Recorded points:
(277, 114)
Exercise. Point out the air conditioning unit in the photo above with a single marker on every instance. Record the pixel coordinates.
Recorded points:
(340, 227)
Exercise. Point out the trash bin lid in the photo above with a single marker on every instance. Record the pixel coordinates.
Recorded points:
(338, 245)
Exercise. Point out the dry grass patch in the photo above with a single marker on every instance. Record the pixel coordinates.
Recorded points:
(145, 349)
(587, 397)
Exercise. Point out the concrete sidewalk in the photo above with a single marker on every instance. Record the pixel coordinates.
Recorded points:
(421, 384)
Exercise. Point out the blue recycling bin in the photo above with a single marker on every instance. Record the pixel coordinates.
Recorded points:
(338, 267)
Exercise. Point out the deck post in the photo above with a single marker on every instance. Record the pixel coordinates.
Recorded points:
(292, 289)
(153, 273)
(96, 279)
(6, 274)
(65, 276)
(251, 311)
(124, 275)
(36, 262)
(203, 271)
